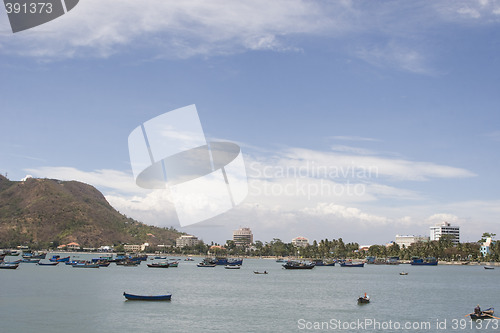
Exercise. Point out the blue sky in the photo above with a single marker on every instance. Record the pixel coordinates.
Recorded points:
(410, 88)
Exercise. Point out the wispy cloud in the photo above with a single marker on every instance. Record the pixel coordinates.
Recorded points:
(106, 179)
(375, 32)
(407, 58)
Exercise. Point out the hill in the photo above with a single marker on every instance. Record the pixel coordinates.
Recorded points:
(48, 212)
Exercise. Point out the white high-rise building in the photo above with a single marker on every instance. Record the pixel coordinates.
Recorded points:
(243, 237)
(186, 240)
(445, 228)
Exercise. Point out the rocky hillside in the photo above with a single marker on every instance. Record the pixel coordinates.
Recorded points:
(48, 211)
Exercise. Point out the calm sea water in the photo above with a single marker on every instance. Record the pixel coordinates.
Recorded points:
(65, 299)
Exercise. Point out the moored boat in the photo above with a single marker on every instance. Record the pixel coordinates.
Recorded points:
(57, 258)
(15, 262)
(352, 264)
(159, 265)
(8, 266)
(48, 263)
(403, 273)
(431, 261)
(489, 267)
(257, 272)
(206, 264)
(132, 297)
(298, 265)
(30, 261)
(30, 255)
(85, 265)
(232, 267)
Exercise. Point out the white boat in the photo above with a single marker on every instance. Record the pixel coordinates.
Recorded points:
(232, 267)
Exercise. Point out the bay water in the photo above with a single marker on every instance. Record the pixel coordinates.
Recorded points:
(65, 299)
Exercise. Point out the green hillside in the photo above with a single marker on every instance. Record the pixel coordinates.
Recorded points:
(44, 212)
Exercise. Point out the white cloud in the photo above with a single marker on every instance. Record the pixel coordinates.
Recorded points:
(111, 180)
(370, 166)
(173, 28)
(343, 212)
(406, 58)
(183, 29)
(289, 195)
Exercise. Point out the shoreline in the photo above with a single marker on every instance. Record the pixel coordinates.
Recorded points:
(401, 262)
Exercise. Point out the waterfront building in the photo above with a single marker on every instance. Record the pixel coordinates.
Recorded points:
(243, 237)
(445, 228)
(186, 240)
(407, 240)
(69, 247)
(132, 248)
(300, 241)
(485, 247)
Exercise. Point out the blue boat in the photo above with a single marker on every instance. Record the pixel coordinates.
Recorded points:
(132, 297)
(424, 262)
(57, 258)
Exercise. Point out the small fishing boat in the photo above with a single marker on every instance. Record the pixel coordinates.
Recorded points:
(321, 262)
(489, 267)
(159, 265)
(485, 314)
(232, 267)
(8, 266)
(363, 300)
(30, 255)
(130, 263)
(12, 262)
(352, 264)
(430, 261)
(174, 264)
(403, 273)
(159, 258)
(204, 264)
(189, 259)
(257, 272)
(59, 259)
(48, 263)
(132, 297)
(298, 265)
(85, 265)
(30, 261)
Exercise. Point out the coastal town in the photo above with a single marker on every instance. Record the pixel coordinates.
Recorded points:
(442, 243)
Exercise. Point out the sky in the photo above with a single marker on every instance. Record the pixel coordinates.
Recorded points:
(357, 120)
